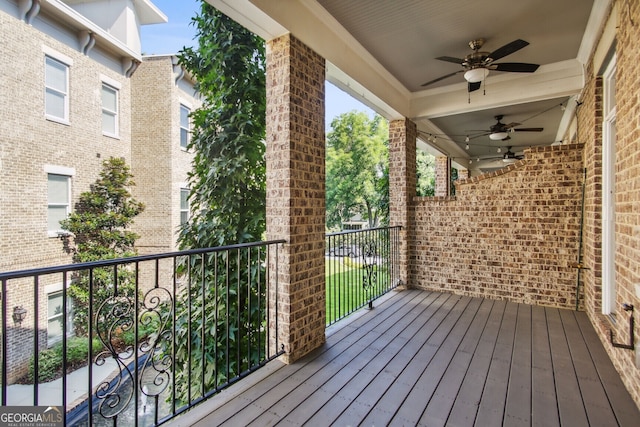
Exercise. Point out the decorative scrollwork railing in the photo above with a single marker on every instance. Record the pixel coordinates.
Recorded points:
(362, 265)
(161, 332)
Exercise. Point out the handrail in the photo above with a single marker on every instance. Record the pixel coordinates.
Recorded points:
(138, 258)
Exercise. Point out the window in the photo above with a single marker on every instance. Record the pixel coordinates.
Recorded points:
(185, 128)
(109, 110)
(59, 195)
(55, 317)
(56, 90)
(184, 205)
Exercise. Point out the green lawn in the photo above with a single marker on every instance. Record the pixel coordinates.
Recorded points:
(345, 292)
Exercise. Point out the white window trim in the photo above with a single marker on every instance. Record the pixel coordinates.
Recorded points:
(184, 187)
(115, 113)
(188, 107)
(66, 60)
(59, 170)
(48, 290)
(608, 194)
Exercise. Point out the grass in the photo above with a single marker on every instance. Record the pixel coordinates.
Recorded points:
(345, 292)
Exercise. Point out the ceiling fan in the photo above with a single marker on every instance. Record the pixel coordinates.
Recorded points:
(476, 65)
(510, 156)
(500, 131)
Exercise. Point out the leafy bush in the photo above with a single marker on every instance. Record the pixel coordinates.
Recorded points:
(50, 360)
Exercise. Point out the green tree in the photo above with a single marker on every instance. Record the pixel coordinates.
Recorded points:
(99, 230)
(227, 182)
(357, 169)
(425, 171)
(227, 201)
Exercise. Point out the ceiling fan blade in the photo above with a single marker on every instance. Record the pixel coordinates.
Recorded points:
(473, 86)
(511, 125)
(450, 59)
(516, 67)
(441, 78)
(529, 130)
(507, 49)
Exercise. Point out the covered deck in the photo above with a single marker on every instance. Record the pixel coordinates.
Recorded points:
(428, 358)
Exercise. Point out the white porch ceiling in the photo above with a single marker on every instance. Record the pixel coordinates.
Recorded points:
(383, 51)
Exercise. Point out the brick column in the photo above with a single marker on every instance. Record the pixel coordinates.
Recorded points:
(443, 176)
(402, 188)
(295, 155)
(463, 174)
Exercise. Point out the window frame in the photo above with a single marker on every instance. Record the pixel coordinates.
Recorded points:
(55, 290)
(184, 210)
(185, 128)
(113, 113)
(68, 173)
(64, 93)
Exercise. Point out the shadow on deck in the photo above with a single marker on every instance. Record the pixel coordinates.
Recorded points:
(426, 358)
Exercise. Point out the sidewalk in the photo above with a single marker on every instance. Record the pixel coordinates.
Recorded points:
(50, 394)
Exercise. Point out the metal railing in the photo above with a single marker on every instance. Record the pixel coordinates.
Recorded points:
(150, 336)
(360, 267)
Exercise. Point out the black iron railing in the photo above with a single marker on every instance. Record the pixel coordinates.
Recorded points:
(149, 337)
(361, 266)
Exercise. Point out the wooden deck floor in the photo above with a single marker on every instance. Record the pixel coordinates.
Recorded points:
(422, 358)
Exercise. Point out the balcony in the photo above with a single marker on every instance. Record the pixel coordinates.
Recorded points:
(428, 358)
(167, 331)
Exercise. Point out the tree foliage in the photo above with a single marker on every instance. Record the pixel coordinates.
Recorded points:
(99, 230)
(227, 203)
(426, 174)
(357, 169)
(227, 182)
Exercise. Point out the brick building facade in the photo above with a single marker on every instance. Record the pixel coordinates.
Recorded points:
(73, 95)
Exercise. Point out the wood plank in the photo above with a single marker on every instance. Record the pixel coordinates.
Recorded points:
(310, 364)
(354, 378)
(465, 407)
(392, 387)
(416, 385)
(436, 359)
(518, 406)
(569, 401)
(439, 407)
(593, 396)
(623, 406)
(491, 409)
(413, 407)
(544, 410)
(280, 401)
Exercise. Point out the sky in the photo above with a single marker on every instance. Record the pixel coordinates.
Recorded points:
(171, 37)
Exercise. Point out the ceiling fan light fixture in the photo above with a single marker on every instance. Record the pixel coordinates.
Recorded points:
(498, 136)
(476, 75)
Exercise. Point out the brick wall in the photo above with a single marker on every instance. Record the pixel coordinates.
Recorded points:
(296, 190)
(158, 163)
(402, 186)
(626, 16)
(511, 234)
(30, 141)
(443, 176)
